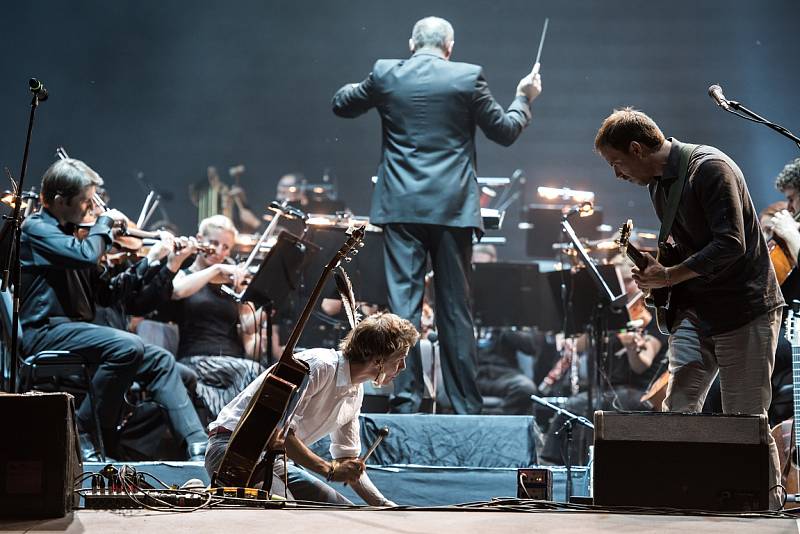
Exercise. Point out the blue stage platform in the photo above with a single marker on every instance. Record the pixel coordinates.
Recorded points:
(430, 460)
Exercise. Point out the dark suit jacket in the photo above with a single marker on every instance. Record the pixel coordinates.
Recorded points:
(429, 108)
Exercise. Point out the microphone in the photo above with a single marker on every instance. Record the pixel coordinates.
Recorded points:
(715, 92)
(584, 208)
(290, 212)
(38, 89)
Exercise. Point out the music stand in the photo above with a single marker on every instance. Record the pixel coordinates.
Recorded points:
(608, 302)
(366, 270)
(277, 276)
(543, 228)
(511, 294)
(572, 298)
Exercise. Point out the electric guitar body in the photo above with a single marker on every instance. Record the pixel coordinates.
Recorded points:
(660, 300)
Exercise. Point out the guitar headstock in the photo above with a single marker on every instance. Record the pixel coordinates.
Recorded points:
(625, 235)
(350, 247)
(793, 324)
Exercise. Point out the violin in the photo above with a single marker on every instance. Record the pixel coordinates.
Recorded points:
(133, 242)
(132, 238)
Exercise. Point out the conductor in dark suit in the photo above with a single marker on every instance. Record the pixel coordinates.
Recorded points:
(426, 196)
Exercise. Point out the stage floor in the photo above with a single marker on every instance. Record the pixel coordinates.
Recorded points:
(394, 521)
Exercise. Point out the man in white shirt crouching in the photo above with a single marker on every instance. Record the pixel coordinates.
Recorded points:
(374, 350)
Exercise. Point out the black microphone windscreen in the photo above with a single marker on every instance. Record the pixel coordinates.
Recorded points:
(38, 89)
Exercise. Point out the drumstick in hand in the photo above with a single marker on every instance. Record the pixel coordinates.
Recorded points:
(382, 433)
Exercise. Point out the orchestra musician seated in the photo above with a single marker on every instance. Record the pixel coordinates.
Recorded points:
(220, 339)
(63, 282)
(374, 350)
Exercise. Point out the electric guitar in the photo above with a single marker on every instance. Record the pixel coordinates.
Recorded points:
(657, 299)
(272, 406)
(787, 437)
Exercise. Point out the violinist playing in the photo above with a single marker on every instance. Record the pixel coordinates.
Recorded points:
(62, 282)
(219, 338)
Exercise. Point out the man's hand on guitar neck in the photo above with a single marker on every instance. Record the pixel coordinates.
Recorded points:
(655, 275)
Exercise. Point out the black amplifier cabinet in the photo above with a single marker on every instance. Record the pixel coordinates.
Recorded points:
(39, 455)
(687, 461)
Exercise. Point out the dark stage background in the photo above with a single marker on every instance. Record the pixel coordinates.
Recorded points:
(163, 89)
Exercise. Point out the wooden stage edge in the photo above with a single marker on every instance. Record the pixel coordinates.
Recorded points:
(394, 521)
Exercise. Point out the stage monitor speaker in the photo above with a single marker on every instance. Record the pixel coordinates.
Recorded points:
(39, 455)
(686, 461)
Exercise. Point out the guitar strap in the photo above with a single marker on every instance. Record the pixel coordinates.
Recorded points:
(674, 195)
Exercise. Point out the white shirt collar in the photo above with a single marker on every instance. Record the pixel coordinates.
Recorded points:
(343, 378)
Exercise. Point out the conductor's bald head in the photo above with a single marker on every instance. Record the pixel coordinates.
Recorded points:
(432, 33)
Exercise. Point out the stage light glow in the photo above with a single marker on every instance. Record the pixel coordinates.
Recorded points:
(8, 200)
(565, 194)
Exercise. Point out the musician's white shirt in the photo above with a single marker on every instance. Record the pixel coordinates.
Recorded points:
(330, 404)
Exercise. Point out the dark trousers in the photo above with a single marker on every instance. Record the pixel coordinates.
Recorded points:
(509, 384)
(120, 358)
(406, 250)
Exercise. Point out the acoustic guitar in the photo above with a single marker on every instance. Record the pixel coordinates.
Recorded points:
(272, 406)
(657, 299)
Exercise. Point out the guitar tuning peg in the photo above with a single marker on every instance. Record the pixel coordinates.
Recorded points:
(360, 244)
(354, 251)
(348, 259)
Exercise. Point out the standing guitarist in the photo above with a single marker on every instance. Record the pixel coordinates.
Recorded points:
(725, 296)
(374, 350)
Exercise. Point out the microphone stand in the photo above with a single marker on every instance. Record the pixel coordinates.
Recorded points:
(13, 273)
(743, 112)
(571, 419)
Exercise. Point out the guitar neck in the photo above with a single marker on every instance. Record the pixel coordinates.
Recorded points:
(796, 391)
(636, 256)
(288, 351)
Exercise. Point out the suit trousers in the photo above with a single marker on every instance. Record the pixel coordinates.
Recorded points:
(121, 358)
(406, 251)
(744, 358)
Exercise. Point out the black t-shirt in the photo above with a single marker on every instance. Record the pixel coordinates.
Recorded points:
(207, 321)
